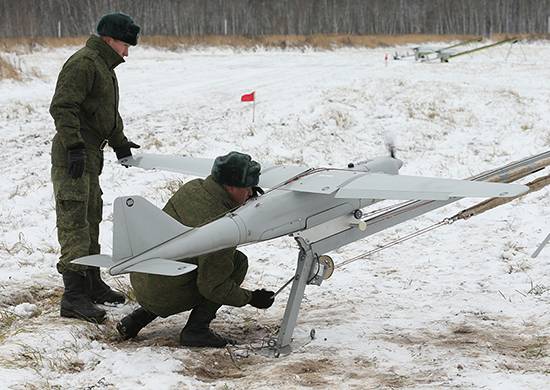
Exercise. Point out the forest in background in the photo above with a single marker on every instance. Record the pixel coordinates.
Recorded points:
(66, 18)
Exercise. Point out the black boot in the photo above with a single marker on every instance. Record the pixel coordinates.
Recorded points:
(99, 292)
(129, 326)
(197, 332)
(75, 302)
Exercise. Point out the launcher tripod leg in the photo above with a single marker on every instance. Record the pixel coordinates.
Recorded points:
(305, 263)
(542, 245)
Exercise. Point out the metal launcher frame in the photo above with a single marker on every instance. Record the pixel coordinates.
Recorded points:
(313, 269)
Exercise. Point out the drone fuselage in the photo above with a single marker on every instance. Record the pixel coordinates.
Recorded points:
(274, 214)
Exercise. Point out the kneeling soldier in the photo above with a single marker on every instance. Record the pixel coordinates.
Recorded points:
(218, 276)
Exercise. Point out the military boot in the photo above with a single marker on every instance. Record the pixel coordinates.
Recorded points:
(129, 326)
(75, 302)
(197, 332)
(99, 292)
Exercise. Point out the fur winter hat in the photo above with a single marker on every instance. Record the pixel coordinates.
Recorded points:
(236, 169)
(119, 26)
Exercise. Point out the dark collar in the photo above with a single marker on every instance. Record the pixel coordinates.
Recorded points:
(111, 57)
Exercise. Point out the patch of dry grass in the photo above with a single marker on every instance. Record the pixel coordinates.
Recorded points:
(22, 245)
(28, 45)
(12, 69)
(8, 70)
(6, 320)
(19, 45)
(126, 288)
(321, 41)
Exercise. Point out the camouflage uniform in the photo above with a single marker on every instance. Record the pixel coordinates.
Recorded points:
(85, 111)
(219, 274)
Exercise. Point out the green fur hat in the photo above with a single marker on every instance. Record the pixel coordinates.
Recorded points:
(236, 169)
(119, 26)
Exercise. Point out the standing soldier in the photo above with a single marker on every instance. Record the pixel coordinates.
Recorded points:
(85, 111)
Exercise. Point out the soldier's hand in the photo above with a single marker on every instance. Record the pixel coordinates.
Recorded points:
(262, 299)
(76, 160)
(257, 191)
(124, 150)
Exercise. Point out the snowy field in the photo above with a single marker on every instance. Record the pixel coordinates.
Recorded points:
(464, 306)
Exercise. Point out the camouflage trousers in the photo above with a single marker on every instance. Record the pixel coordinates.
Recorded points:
(78, 207)
(168, 295)
(240, 267)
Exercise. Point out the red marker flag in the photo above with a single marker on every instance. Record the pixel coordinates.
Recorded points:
(248, 97)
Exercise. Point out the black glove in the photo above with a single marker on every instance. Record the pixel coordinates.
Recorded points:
(76, 160)
(124, 149)
(262, 299)
(257, 191)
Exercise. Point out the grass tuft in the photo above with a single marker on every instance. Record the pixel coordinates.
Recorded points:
(125, 288)
(6, 321)
(8, 70)
(22, 245)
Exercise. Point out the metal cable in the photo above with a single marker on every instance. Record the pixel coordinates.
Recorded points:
(363, 255)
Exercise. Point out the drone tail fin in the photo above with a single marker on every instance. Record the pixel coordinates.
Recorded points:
(138, 227)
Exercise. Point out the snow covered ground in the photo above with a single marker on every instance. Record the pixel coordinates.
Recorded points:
(464, 306)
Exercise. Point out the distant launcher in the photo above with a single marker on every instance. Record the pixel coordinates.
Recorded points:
(444, 54)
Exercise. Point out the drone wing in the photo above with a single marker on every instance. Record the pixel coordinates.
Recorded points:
(364, 185)
(271, 175)
(343, 182)
(193, 166)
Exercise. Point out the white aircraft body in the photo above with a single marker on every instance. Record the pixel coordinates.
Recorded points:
(300, 200)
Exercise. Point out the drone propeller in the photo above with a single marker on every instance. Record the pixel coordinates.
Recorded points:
(389, 141)
(390, 146)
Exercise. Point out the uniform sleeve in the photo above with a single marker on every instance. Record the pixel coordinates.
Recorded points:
(214, 279)
(118, 138)
(74, 83)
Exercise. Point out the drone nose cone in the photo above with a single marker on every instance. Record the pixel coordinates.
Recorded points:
(384, 164)
(398, 163)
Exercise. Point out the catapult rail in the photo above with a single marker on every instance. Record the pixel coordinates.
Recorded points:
(463, 43)
(446, 57)
(489, 204)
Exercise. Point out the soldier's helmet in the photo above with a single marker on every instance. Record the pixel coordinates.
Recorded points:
(236, 169)
(119, 26)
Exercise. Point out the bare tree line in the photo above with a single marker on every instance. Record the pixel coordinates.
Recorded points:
(286, 17)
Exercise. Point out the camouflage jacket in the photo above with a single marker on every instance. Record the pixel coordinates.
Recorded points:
(85, 104)
(195, 203)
